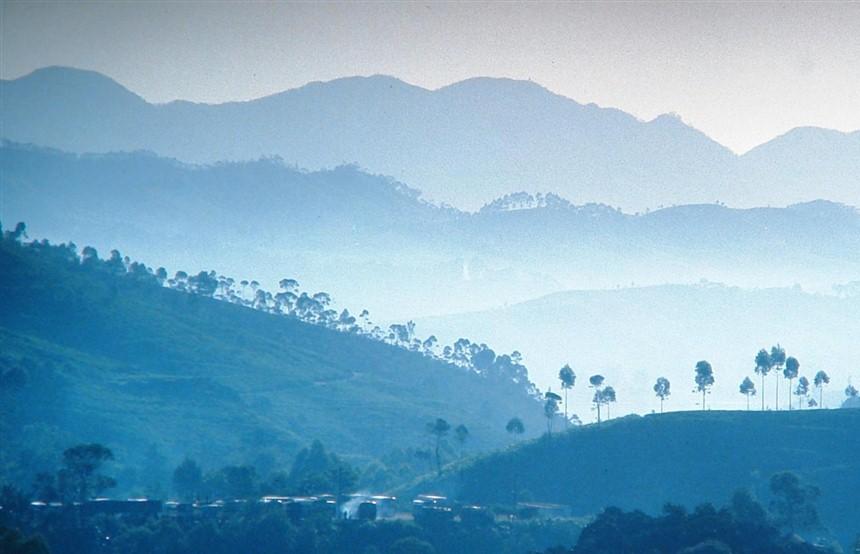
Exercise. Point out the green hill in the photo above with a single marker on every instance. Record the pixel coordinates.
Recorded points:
(683, 457)
(157, 374)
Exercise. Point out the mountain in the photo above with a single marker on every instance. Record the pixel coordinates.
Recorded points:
(464, 144)
(632, 336)
(373, 243)
(683, 458)
(91, 355)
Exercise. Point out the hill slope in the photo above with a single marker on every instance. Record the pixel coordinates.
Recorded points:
(684, 458)
(92, 356)
(465, 144)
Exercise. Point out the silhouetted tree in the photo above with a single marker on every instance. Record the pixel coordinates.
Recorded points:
(596, 382)
(763, 365)
(515, 426)
(662, 390)
(747, 388)
(80, 478)
(801, 391)
(550, 409)
(608, 398)
(439, 429)
(792, 368)
(462, 434)
(188, 480)
(793, 505)
(704, 378)
(851, 391)
(777, 358)
(568, 380)
(821, 380)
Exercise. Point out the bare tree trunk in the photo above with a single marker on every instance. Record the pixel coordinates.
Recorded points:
(790, 380)
(703, 400)
(762, 392)
(776, 396)
(565, 405)
(661, 404)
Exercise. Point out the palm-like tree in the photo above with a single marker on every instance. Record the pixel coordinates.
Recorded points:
(763, 365)
(792, 368)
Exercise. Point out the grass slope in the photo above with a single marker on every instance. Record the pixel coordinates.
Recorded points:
(156, 373)
(682, 457)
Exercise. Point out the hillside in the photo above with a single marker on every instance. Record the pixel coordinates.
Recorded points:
(368, 239)
(464, 144)
(157, 374)
(684, 458)
(634, 335)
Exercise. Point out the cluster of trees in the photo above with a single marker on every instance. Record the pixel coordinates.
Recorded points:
(787, 367)
(313, 308)
(604, 395)
(80, 476)
(743, 527)
(314, 471)
(440, 430)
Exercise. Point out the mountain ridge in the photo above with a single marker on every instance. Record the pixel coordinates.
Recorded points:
(462, 144)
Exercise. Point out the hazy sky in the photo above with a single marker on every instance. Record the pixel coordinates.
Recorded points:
(743, 73)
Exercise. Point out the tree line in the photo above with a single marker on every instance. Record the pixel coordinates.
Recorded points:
(314, 308)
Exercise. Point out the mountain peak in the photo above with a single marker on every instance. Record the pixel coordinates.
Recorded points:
(72, 79)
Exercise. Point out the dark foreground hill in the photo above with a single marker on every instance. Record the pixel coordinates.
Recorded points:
(157, 374)
(684, 457)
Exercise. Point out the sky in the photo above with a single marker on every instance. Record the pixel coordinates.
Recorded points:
(741, 72)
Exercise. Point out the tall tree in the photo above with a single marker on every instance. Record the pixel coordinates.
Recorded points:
(704, 378)
(568, 379)
(763, 365)
(821, 379)
(777, 358)
(439, 429)
(462, 434)
(596, 382)
(550, 409)
(80, 478)
(792, 368)
(608, 398)
(747, 388)
(802, 391)
(662, 390)
(188, 480)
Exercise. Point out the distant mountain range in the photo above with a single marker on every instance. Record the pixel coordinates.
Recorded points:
(373, 243)
(464, 144)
